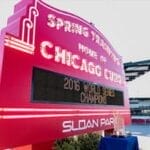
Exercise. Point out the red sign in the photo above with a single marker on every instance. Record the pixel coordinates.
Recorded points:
(59, 76)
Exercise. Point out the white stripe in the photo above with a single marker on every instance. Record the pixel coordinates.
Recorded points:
(59, 110)
(11, 38)
(19, 48)
(11, 42)
(52, 115)
(25, 48)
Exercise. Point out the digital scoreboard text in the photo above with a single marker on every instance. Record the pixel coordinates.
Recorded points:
(58, 88)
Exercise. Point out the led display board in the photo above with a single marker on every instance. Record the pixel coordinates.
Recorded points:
(57, 88)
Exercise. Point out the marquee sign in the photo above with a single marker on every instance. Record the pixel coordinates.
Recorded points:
(59, 76)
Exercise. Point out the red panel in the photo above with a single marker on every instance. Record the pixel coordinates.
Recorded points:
(35, 41)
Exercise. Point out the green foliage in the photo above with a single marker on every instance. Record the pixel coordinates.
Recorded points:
(82, 142)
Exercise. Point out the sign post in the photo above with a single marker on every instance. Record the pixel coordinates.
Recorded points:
(59, 77)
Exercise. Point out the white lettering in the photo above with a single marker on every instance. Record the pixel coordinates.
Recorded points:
(65, 57)
(60, 55)
(84, 49)
(72, 126)
(112, 76)
(107, 121)
(84, 65)
(67, 26)
(67, 125)
(44, 51)
(101, 42)
(51, 21)
(78, 29)
(59, 23)
(74, 61)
